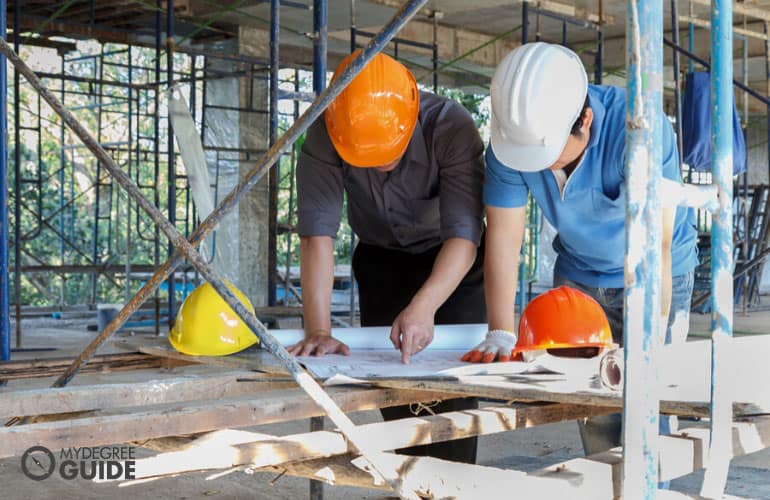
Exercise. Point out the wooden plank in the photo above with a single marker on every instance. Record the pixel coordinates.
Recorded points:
(434, 478)
(153, 392)
(597, 476)
(231, 449)
(550, 391)
(253, 358)
(340, 472)
(105, 363)
(680, 454)
(190, 418)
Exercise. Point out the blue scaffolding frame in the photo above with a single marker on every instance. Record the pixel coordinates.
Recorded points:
(642, 297)
(5, 303)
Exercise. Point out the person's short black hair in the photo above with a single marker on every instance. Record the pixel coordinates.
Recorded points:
(579, 122)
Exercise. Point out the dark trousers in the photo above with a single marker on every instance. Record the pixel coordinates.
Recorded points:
(387, 281)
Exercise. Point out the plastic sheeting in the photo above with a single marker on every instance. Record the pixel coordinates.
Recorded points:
(194, 159)
(696, 126)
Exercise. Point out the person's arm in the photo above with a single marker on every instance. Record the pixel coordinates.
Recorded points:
(319, 208)
(458, 151)
(505, 233)
(317, 279)
(671, 172)
(412, 330)
(665, 266)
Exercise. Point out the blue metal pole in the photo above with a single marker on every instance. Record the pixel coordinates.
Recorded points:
(521, 296)
(599, 63)
(767, 71)
(272, 239)
(17, 175)
(677, 76)
(319, 84)
(722, 99)
(641, 315)
(435, 53)
(524, 22)
(690, 41)
(5, 289)
(171, 167)
(319, 45)
(352, 26)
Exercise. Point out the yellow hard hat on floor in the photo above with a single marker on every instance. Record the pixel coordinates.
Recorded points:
(207, 326)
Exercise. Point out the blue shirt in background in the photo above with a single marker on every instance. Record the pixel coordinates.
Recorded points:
(590, 216)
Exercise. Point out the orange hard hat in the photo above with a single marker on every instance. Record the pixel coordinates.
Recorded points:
(371, 122)
(563, 318)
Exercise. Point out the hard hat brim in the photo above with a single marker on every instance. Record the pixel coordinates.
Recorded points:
(526, 157)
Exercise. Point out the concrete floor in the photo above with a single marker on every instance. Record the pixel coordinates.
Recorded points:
(525, 450)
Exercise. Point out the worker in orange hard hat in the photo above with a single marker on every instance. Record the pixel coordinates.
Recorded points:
(410, 163)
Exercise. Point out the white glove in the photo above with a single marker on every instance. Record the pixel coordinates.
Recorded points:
(497, 346)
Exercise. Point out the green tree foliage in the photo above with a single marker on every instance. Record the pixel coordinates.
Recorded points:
(474, 103)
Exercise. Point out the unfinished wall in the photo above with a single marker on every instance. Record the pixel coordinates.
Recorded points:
(756, 146)
(253, 136)
(221, 131)
(233, 138)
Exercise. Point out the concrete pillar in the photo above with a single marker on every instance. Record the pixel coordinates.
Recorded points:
(240, 134)
(253, 137)
(221, 131)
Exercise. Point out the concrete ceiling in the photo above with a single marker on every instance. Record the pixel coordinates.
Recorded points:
(462, 26)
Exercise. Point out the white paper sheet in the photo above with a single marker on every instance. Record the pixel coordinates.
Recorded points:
(375, 363)
(372, 355)
(371, 363)
(445, 337)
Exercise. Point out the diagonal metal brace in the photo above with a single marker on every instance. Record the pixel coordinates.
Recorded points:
(302, 378)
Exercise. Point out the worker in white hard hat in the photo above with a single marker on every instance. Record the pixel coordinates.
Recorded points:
(563, 140)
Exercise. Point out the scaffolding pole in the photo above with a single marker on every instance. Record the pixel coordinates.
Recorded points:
(274, 176)
(641, 312)
(320, 29)
(171, 167)
(16, 178)
(5, 289)
(720, 446)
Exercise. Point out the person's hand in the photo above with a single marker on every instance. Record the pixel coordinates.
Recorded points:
(319, 343)
(497, 346)
(412, 331)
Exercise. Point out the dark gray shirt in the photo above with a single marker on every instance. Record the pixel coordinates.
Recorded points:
(434, 193)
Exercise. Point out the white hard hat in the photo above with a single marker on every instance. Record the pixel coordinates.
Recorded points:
(538, 92)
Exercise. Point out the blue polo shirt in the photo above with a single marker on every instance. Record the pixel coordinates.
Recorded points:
(590, 214)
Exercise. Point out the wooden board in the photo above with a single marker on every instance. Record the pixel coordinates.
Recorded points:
(163, 390)
(554, 391)
(191, 418)
(102, 363)
(226, 449)
(595, 476)
(253, 358)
